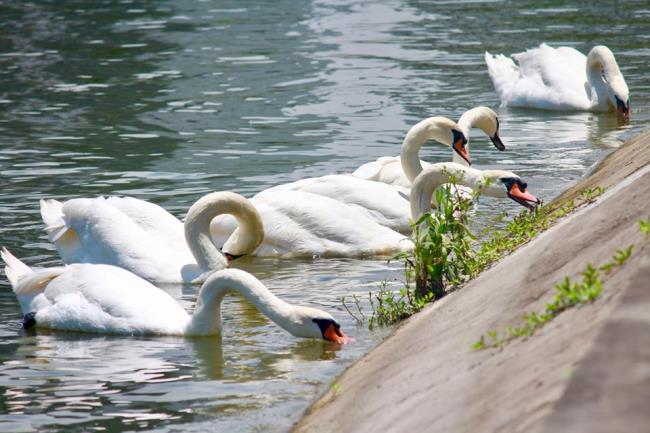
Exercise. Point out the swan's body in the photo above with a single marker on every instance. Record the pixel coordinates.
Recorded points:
(402, 170)
(145, 239)
(560, 79)
(303, 224)
(110, 300)
(382, 203)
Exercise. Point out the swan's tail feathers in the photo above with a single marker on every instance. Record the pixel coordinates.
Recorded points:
(503, 72)
(52, 214)
(14, 268)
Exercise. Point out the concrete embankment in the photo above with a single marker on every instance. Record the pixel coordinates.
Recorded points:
(588, 370)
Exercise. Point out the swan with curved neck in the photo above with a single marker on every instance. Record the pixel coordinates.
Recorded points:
(561, 79)
(393, 170)
(493, 183)
(388, 204)
(109, 300)
(146, 240)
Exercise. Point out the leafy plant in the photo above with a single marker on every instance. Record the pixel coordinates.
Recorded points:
(440, 259)
(617, 259)
(567, 295)
(445, 254)
(590, 194)
(644, 226)
(390, 307)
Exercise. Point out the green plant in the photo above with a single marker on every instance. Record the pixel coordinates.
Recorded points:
(443, 244)
(359, 316)
(644, 226)
(617, 259)
(389, 307)
(567, 295)
(590, 194)
(445, 254)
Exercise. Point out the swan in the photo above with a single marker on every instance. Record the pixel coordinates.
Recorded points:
(493, 183)
(560, 79)
(383, 203)
(304, 224)
(145, 239)
(297, 223)
(110, 300)
(402, 170)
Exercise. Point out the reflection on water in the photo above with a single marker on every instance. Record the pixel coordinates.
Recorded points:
(168, 100)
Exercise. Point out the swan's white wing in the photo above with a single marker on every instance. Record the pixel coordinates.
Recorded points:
(298, 223)
(387, 169)
(545, 77)
(101, 233)
(385, 204)
(151, 218)
(107, 299)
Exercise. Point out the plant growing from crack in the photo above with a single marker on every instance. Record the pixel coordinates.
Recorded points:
(567, 295)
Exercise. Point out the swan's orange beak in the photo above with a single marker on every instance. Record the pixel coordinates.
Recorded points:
(336, 335)
(459, 148)
(522, 197)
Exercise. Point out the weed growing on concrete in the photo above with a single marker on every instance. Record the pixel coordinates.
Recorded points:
(439, 262)
(590, 194)
(644, 226)
(567, 295)
(443, 243)
(444, 255)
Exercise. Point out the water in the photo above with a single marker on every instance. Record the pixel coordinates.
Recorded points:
(168, 100)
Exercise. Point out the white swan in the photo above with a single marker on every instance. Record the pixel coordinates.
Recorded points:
(493, 183)
(148, 241)
(402, 170)
(560, 79)
(109, 300)
(303, 224)
(383, 203)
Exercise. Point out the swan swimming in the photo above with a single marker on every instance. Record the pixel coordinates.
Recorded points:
(338, 233)
(109, 300)
(384, 203)
(560, 79)
(493, 183)
(402, 170)
(147, 240)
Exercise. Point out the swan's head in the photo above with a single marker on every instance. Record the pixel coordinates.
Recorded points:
(314, 323)
(459, 144)
(505, 184)
(602, 59)
(623, 108)
(445, 131)
(486, 120)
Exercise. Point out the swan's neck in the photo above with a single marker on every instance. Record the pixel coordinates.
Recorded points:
(250, 233)
(601, 62)
(597, 86)
(436, 175)
(207, 314)
(197, 229)
(427, 129)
